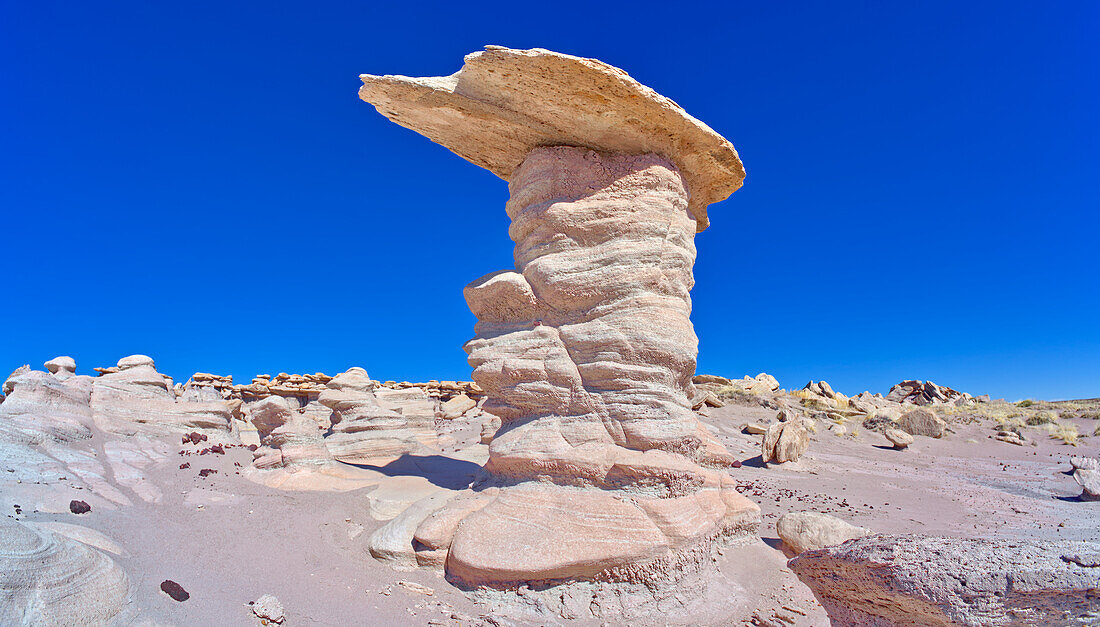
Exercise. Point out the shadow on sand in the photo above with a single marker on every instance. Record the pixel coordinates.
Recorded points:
(445, 472)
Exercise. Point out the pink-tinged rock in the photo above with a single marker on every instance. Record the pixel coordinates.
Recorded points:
(585, 350)
(546, 533)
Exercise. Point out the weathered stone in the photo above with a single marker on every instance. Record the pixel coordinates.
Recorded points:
(503, 104)
(457, 406)
(922, 422)
(900, 439)
(135, 360)
(586, 350)
(48, 579)
(804, 531)
(785, 441)
(362, 431)
(61, 366)
(269, 608)
(1089, 480)
(753, 428)
(924, 580)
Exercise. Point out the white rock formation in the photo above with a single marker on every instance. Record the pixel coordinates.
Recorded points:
(362, 431)
(48, 579)
(585, 350)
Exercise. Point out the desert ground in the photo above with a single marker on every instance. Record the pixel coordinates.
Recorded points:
(229, 539)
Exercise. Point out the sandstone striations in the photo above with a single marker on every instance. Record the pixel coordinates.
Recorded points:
(48, 579)
(585, 351)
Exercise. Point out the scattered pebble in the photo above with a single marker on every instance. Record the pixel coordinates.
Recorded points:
(174, 590)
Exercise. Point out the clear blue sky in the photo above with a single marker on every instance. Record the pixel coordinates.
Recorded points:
(198, 181)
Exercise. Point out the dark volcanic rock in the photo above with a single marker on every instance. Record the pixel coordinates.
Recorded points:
(884, 580)
(79, 507)
(174, 590)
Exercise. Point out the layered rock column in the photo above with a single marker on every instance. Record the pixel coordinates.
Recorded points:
(600, 470)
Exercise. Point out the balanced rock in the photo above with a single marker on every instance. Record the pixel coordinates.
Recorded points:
(900, 439)
(926, 580)
(48, 579)
(585, 350)
(922, 422)
(61, 366)
(804, 531)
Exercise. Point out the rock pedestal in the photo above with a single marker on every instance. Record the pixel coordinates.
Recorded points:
(585, 351)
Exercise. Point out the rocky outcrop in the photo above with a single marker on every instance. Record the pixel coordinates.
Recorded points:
(43, 407)
(927, 393)
(135, 398)
(806, 531)
(923, 580)
(585, 350)
(62, 367)
(48, 579)
(362, 431)
(288, 437)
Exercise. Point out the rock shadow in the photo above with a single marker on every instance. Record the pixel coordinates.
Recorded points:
(754, 462)
(445, 472)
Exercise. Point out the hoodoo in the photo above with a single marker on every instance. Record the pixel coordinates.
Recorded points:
(586, 351)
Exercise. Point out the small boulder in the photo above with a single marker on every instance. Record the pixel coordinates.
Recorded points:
(898, 438)
(79, 507)
(61, 365)
(133, 361)
(1090, 481)
(753, 428)
(1011, 437)
(922, 422)
(269, 608)
(805, 531)
(457, 406)
(1088, 463)
(785, 442)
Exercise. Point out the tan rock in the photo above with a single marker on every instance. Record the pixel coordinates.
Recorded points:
(922, 422)
(135, 360)
(585, 350)
(61, 366)
(785, 442)
(898, 438)
(363, 432)
(457, 406)
(505, 103)
(753, 428)
(805, 531)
